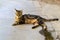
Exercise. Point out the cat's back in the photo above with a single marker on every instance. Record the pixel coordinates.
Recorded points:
(30, 16)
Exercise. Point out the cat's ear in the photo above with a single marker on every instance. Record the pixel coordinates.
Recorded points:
(16, 10)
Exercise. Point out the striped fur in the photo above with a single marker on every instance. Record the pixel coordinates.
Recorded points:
(31, 19)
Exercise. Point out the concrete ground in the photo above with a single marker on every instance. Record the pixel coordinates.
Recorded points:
(25, 32)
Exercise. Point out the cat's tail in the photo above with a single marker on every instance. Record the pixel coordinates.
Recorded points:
(48, 20)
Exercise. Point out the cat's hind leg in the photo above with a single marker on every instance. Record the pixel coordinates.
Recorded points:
(44, 26)
(35, 25)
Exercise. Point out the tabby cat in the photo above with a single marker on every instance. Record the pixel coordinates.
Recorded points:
(31, 19)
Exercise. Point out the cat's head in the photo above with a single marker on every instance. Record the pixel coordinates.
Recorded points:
(18, 12)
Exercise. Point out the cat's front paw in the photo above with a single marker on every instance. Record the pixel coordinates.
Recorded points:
(33, 27)
(14, 24)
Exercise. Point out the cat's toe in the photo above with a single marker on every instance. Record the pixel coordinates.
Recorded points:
(14, 24)
(33, 27)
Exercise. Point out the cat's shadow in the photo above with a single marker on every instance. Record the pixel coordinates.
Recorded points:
(41, 32)
(46, 34)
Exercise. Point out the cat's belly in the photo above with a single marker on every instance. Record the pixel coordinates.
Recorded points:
(30, 21)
